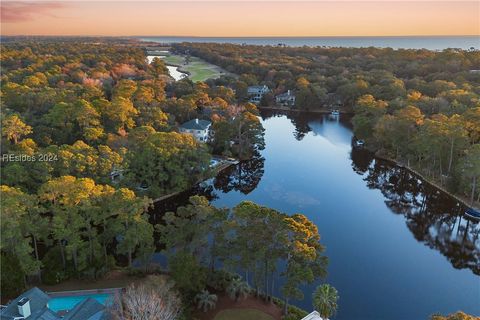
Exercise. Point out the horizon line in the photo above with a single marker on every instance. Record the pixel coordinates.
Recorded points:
(241, 37)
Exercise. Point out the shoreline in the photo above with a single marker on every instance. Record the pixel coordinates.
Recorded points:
(216, 171)
(322, 110)
(434, 184)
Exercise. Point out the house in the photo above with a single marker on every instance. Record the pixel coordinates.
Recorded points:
(313, 316)
(33, 305)
(200, 129)
(256, 93)
(286, 99)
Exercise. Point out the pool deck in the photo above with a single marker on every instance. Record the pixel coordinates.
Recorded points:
(73, 293)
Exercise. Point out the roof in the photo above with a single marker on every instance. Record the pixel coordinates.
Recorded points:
(86, 310)
(255, 89)
(196, 124)
(313, 316)
(38, 306)
(286, 95)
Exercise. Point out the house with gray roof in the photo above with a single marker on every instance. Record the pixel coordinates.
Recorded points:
(88, 309)
(200, 129)
(256, 93)
(33, 305)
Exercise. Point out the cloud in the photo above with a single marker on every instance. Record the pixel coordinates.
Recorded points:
(17, 11)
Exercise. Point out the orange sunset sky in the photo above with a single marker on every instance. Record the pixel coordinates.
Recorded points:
(241, 18)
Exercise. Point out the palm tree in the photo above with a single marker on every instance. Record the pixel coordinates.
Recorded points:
(325, 300)
(206, 300)
(237, 288)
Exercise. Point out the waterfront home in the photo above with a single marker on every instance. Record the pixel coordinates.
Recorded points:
(313, 316)
(256, 93)
(200, 129)
(286, 99)
(33, 305)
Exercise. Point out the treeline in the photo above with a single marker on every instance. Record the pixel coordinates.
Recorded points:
(444, 148)
(206, 246)
(71, 228)
(330, 76)
(75, 228)
(419, 107)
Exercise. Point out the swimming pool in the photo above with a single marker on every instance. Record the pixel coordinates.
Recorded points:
(69, 302)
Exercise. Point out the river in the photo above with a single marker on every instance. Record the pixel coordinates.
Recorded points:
(172, 70)
(398, 248)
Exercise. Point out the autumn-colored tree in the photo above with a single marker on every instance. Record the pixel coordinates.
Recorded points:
(13, 128)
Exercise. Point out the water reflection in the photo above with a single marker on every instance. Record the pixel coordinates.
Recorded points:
(432, 216)
(243, 177)
(392, 239)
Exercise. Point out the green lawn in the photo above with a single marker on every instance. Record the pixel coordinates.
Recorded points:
(242, 314)
(199, 69)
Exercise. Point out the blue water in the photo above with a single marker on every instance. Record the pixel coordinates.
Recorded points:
(398, 248)
(68, 303)
(406, 42)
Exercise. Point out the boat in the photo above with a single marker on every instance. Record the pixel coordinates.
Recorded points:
(359, 143)
(472, 213)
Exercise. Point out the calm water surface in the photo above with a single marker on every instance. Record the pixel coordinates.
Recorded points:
(420, 42)
(398, 248)
(172, 70)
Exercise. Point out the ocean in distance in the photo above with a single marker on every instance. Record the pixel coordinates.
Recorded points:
(403, 42)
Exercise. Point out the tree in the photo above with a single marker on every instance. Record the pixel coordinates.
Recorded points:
(13, 128)
(190, 277)
(367, 112)
(88, 120)
(65, 198)
(454, 316)
(471, 169)
(135, 232)
(122, 113)
(237, 289)
(158, 67)
(325, 300)
(17, 227)
(304, 258)
(167, 162)
(192, 228)
(205, 300)
(248, 135)
(151, 300)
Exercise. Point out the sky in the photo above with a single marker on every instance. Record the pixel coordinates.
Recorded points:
(229, 18)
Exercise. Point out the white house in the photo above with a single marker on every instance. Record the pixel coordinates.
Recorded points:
(256, 93)
(286, 99)
(200, 129)
(313, 316)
